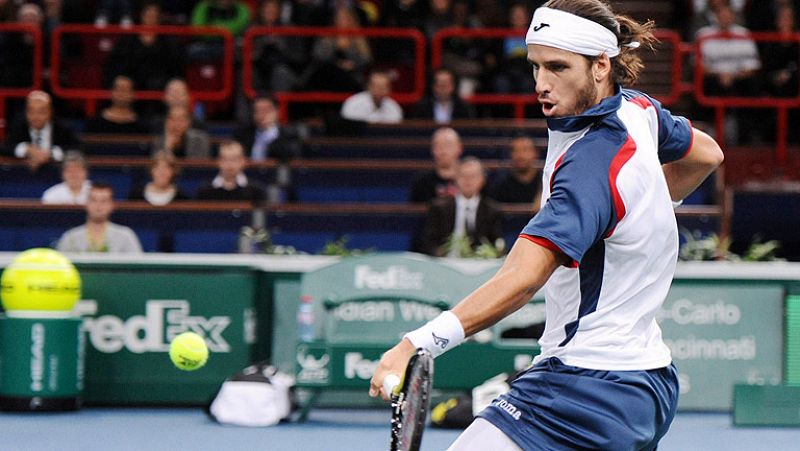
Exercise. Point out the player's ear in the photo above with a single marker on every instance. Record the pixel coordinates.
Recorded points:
(601, 68)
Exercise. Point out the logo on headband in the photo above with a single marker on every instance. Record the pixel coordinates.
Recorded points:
(540, 26)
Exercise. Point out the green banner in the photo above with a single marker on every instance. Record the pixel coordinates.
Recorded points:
(723, 334)
(130, 317)
(40, 357)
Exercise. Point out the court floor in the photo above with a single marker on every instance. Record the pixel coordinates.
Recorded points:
(156, 429)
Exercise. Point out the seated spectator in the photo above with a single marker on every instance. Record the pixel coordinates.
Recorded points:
(373, 105)
(180, 139)
(338, 63)
(264, 137)
(446, 149)
(278, 61)
(232, 15)
(149, 59)
(40, 139)
(161, 189)
(74, 190)
(466, 214)
(17, 49)
(443, 103)
(522, 184)
(780, 68)
(99, 234)
(231, 183)
(730, 66)
(113, 10)
(176, 93)
(513, 71)
(119, 117)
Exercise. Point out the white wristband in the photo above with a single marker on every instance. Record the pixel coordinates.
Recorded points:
(439, 335)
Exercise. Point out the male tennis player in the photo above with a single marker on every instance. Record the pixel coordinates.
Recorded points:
(605, 241)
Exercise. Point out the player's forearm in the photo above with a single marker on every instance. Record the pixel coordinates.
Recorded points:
(526, 269)
(685, 175)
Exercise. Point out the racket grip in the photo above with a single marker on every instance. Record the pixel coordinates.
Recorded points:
(390, 382)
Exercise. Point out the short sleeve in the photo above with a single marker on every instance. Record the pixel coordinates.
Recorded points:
(579, 211)
(674, 134)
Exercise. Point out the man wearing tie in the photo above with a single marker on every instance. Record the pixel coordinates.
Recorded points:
(264, 138)
(465, 214)
(40, 139)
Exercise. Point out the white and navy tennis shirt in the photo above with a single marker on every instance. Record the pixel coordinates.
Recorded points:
(605, 205)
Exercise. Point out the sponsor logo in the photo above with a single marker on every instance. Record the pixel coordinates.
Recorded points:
(440, 341)
(540, 26)
(153, 331)
(37, 357)
(508, 408)
(357, 367)
(396, 277)
(385, 311)
(313, 369)
(686, 312)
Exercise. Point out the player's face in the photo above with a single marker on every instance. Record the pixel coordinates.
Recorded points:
(100, 205)
(564, 81)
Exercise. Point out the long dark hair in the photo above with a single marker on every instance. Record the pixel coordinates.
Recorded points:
(627, 66)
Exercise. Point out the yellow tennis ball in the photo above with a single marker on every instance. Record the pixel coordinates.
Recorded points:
(40, 279)
(188, 351)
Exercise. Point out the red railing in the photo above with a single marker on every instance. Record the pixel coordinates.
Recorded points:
(91, 96)
(286, 98)
(36, 72)
(721, 103)
(520, 101)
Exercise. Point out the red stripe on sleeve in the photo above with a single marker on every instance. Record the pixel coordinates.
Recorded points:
(547, 244)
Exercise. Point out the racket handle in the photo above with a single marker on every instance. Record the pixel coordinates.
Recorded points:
(390, 382)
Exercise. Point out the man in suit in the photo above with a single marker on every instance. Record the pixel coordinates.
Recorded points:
(465, 214)
(39, 139)
(443, 104)
(263, 137)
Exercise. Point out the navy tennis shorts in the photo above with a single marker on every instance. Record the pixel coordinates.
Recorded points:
(553, 406)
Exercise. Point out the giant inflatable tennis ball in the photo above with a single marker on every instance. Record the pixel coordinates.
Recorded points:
(40, 280)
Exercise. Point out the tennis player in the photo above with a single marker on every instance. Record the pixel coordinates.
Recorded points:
(605, 241)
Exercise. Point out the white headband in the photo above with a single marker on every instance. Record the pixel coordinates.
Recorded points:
(562, 30)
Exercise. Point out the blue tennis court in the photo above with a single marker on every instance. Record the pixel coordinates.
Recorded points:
(118, 429)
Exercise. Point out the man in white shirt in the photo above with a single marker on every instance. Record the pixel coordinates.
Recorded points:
(40, 139)
(74, 190)
(374, 105)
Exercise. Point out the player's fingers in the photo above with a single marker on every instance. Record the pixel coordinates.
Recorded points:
(374, 387)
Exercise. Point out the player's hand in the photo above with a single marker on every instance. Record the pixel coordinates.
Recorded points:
(394, 361)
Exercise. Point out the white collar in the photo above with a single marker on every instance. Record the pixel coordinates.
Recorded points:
(219, 182)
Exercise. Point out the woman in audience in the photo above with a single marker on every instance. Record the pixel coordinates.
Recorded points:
(119, 117)
(74, 190)
(161, 190)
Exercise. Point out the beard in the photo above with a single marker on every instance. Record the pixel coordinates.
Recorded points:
(586, 96)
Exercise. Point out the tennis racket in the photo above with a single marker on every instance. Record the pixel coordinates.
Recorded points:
(411, 400)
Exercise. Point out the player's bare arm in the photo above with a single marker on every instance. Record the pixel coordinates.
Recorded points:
(685, 175)
(525, 270)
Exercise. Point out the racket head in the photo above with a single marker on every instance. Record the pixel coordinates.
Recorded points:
(410, 407)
